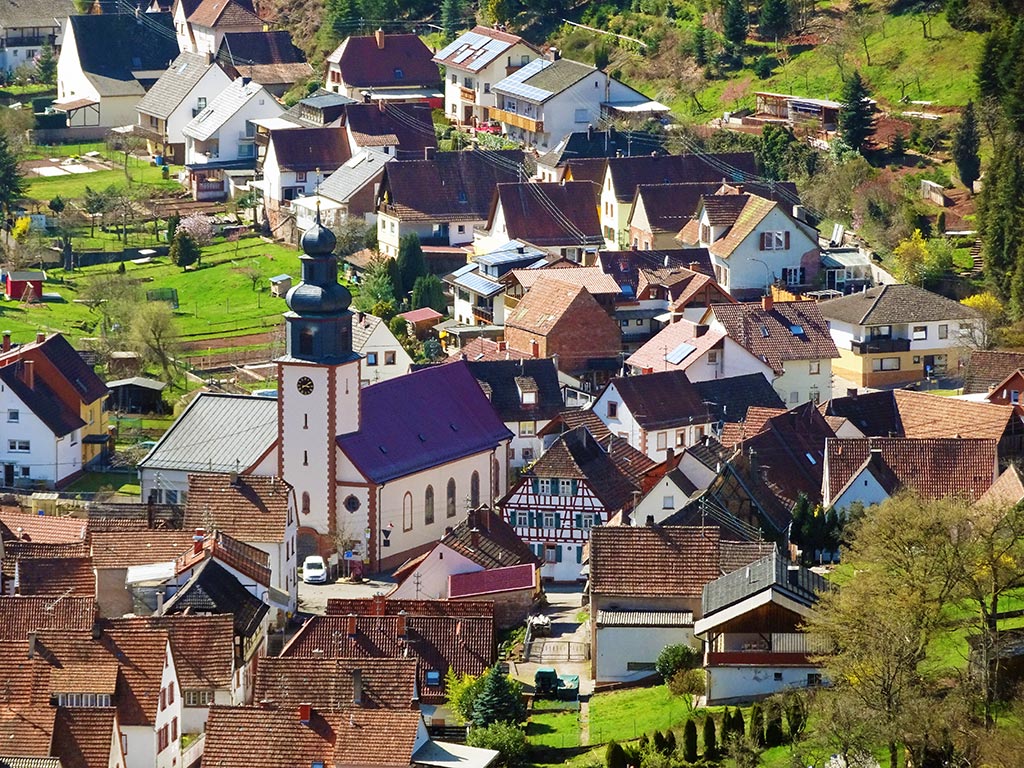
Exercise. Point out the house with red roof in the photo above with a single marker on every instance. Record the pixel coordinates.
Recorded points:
(693, 348)
(394, 67)
(200, 25)
(296, 160)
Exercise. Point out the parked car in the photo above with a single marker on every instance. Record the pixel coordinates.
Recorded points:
(489, 127)
(314, 570)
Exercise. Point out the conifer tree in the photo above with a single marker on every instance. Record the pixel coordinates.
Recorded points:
(734, 22)
(773, 733)
(710, 740)
(855, 112)
(774, 20)
(12, 182)
(451, 18)
(410, 262)
(614, 755)
(499, 701)
(966, 145)
(757, 725)
(690, 741)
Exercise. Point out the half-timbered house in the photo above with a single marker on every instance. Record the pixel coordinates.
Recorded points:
(578, 483)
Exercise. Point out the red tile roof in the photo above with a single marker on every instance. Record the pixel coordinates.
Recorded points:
(593, 279)
(925, 415)
(225, 13)
(71, 576)
(41, 529)
(382, 606)
(407, 126)
(26, 717)
(123, 549)
(236, 737)
(84, 736)
(669, 561)
(986, 368)
(485, 538)
(630, 172)
(662, 400)
(546, 214)
(364, 63)
(789, 330)
(480, 349)
(244, 558)
(1007, 490)
(652, 356)
(753, 424)
(933, 468)
(328, 684)
(493, 581)
(21, 615)
(252, 509)
(306, 149)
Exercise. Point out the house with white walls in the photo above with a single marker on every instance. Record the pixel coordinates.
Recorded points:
(27, 27)
(473, 63)
(754, 243)
(384, 357)
(297, 159)
(220, 141)
(551, 97)
(107, 63)
(698, 350)
(392, 67)
(200, 25)
(182, 92)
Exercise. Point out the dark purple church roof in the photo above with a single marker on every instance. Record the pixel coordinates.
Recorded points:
(422, 420)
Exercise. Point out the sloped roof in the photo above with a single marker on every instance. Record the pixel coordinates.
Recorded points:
(213, 589)
(732, 398)
(934, 468)
(547, 303)
(625, 266)
(327, 683)
(354, 175)
(492, 581)
(664, 561)
(600, 144)
(925, 415)
(223, 13)
(453, 186)
(253, 508)
(988, 367)
(202, 646)
(876, 414)
(223, 106)
(42, 400)
(26, 717)
(112, 47)
(20, 615)
(40, 529)
(501, 375)
(34, 13)
(16, 551)
(427, 418)
(790, 330)
(740, 220)
(123, 549)
(753, 424)
(628, 173)
(84, 736)
(485, 538)
(217, 433)
(306, 149)
(477, 48)
(68, 361)
(364, 64)
(661, 400)
(773, 572)
(670, 206)
(175, 84)
(245, 48)
(1007, 490)
(893, 304)
(543, 79)
(593, 279)
(72, 576)
(363, 326)
(550, 214)
(676, 347)
(481, 348)
(409, 126)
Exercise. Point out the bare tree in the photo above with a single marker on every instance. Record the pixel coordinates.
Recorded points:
(153, 336)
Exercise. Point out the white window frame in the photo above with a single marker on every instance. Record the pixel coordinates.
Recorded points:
(815, 367)
(919, 332)
(19, 446)
(548, 520)
(13, 416)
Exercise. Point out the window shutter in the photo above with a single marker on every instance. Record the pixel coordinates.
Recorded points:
(579, 554)
(597, 518)
(579, 520)
(536, 484)
(558, 553)
(787, 239)
(760, 241)
(575, 486)
(558, 520)
(529, 520)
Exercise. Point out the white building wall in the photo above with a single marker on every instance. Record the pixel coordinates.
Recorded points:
(743, 683)
(618, 647)
(141, 746)
(116, 759)
(864, 488)
(213, 81)
(525, 438)
(433, 573)
(660, 502)
(170, 715)
(194, 718)
(484, 97)
(798, 385)
(381, 341)
(46, 459)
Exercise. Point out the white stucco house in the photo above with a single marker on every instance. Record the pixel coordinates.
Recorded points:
(25, 28)
(200, 25)
(384, 358)
(473, 63)
(702, 353)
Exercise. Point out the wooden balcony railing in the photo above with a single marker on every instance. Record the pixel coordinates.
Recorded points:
(511, 118)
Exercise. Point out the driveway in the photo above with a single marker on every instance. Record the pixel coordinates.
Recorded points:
(313, 597)
(566, 649)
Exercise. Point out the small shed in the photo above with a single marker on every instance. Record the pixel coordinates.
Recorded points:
(17, 284)
(422, 320)
(280, 285)
(136, 395)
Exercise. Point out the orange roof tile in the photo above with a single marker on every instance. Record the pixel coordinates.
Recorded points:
(203, 646)
(20, 615)
(327, 683)
(26, 717)
(123, 549)
(69, 576)
(925, 415)
(41, 529)
(252, 509)
(83, 736)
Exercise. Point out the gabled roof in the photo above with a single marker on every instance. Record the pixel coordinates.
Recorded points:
(934, 468)
(578, 455)
(789, 330)
(123, 549)
(740, 219)
(502, 377)
(20, 615)
(223, 106)
(453, 186)
(236, 737)
(1006, 491)
(213, 589)
(773, 572)
(547, 303)
(600, 144)
(543, 79)
(670, 206)
(253, 508)
(876, 414)
(477, 48)
(354, 175)
(402, 60)
(202, 646)
(925, 415)
(71, 576)
(676, 347)
(662, 400)
(625, 266)
(422, 420)
(115, 48)
(988, 367)
(732, 398)
(244, 49)
(40, 529)
(570, 418)
(223, 13)
(549, 214)
(593, 279)
(83, 737)
(17, 551)
(328, 683)
(26, 717)
(35, 13)
(61, 357)
(753, 424)
(217, 433)
(42, 400)
(407, 126)
(895, 304)
(627, 173)
(183, 74)
(664, 561)
(481, 349)
(306, 149)
(485, 538)
(492, 581)
(363, 326)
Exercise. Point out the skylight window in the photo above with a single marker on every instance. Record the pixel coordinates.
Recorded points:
(796, 330)
(764, 331)
(810, 458)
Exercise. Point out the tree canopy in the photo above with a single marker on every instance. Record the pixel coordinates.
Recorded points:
(855, 113)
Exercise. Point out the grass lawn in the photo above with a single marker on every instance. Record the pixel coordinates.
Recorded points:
(72, 186)
(125, 483)
(625, 715)
(558, 729)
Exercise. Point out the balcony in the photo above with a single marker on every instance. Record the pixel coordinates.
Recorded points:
(208, 190)
(484, 314)
(511, 118)
(467, 94)
(872, 346)
(784, 649)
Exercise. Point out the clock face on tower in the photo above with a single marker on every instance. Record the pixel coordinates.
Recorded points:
(304, 385)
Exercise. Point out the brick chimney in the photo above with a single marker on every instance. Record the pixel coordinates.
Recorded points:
(305, 713)
(379, 604)
(32, 638)
(40, 337)
(351, 625)
(357, 687)
(197, 541)
(402, 628)
(534, 348)
(502, 346)
(28, 373)
(379, 37)
(7, 341)
(767, 303)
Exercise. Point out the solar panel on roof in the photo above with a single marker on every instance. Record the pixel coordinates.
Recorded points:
(680, 353)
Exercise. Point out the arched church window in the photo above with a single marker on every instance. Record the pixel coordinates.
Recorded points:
(428, 506)
(474, 490)
(306, 341)
(305, 502)
(407, 512)
(451, 497)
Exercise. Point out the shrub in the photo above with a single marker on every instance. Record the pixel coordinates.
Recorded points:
(710, 740)
(688, 683)
(508, 739)
(690, 741)
(660, 744)
(614, 755)
(796, 716)
(670, 741)
(773, 735)
(673, 658)
(757, 725)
